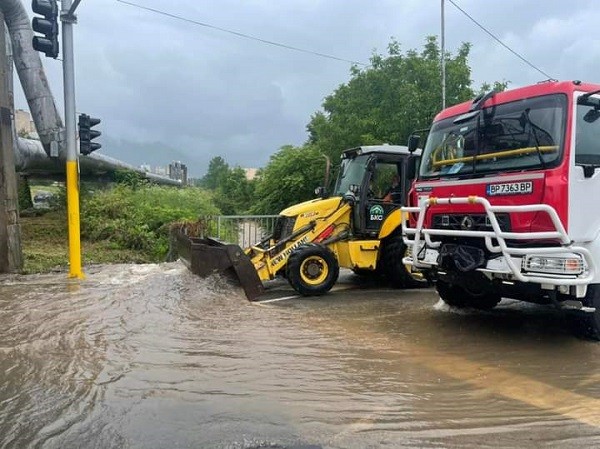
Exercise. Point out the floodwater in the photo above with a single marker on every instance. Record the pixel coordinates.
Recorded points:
(150, 356)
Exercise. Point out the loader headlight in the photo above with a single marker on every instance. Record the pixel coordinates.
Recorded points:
(554, 265)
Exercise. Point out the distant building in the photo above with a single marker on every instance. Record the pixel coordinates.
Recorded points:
(160, 171)
(24, 125)
(178, 171)
(250, 173)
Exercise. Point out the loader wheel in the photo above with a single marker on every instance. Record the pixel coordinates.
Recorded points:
(390, 263)
(312, 270)
(588, 323)
(459, 297)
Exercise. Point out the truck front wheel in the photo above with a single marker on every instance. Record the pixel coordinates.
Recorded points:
(312, 269)
(457, 296)
(588, 323)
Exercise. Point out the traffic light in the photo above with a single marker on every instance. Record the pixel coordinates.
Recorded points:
(47, 25)
(87, 134)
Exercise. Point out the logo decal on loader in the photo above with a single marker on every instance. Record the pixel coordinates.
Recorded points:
(376, 212)
(288, 251)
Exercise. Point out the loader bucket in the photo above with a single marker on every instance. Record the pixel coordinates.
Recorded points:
(206, 256)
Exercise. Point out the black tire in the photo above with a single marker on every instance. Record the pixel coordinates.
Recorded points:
(452, 295)
(391, 266)
(312, 269)
(459, 297)
(588, 323)
(365, 272)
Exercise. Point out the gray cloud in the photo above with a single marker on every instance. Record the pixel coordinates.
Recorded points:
(206, 93)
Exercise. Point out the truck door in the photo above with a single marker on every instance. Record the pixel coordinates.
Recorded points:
(584, 173)
(383, 195)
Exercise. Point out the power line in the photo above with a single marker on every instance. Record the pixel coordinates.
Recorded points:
(499, 41)
(243, 35)
(315, 53)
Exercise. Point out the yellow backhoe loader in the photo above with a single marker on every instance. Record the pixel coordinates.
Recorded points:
(358, 226)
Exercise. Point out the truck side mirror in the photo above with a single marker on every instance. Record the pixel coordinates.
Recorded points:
(413, 142)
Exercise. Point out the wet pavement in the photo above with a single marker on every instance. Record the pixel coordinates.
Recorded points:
(150, 356)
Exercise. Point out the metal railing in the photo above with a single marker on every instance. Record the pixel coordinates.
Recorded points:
(243, 230)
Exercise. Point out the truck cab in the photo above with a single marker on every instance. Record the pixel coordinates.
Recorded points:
(503, 205)
(376, 180)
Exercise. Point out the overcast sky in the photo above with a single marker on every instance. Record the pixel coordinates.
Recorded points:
(203, 93)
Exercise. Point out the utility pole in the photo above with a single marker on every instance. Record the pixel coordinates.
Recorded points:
(68, 19)
(443, 60)
(11, 256)
(47, 43)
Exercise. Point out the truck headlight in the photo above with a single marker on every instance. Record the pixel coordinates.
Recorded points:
(555, 265)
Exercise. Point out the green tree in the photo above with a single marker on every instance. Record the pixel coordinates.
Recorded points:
(231, 191)
(398, 93)
(129, 178)
(235, 192)
(289, 178)
(395, 95)
(498, 86)
(218, 169)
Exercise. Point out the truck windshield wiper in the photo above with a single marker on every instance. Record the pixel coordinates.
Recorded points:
(533, 132)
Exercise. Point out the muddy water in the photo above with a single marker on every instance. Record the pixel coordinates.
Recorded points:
(152, 357)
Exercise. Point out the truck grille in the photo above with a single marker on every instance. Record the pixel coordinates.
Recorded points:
(469, 222)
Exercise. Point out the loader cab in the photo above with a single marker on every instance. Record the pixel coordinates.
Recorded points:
(376, 179)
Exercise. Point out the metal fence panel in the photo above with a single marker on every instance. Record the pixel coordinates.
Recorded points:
(243, 230)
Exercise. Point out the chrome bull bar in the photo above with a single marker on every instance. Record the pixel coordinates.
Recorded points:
(513, 257)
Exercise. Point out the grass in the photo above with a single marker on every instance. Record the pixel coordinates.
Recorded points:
(45, 244)
(119, 224)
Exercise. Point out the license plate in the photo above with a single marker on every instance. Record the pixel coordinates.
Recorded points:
(510, 188)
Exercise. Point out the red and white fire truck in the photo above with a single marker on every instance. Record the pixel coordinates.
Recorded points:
(505, 200)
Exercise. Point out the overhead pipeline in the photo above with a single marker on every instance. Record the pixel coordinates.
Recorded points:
(32, 159)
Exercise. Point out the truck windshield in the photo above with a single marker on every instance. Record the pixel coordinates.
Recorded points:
(524, 134)
(352, 171)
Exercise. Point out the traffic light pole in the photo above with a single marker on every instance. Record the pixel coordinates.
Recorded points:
(72, 169)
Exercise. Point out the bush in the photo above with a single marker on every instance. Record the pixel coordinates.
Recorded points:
(138, 217)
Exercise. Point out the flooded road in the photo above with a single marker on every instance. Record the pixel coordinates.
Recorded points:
(150, 356)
